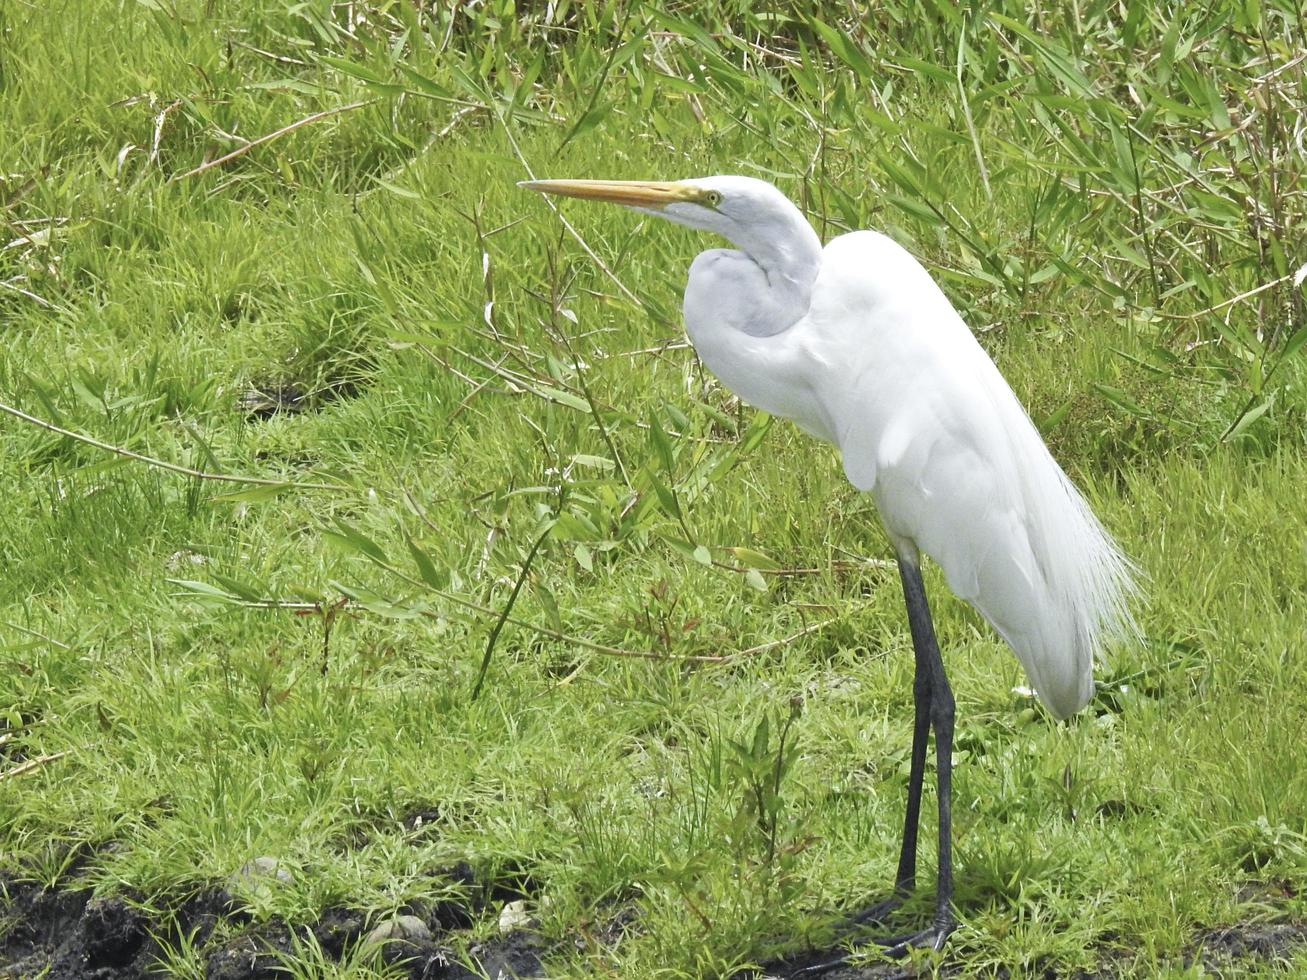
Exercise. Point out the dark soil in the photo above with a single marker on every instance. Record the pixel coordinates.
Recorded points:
(66, 934)
(266, 400)
(1221, 951)
(269, 398)
(791, 966)
(1225, 952)
(255, 954)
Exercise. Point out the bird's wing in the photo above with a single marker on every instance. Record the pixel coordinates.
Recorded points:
(928, 425)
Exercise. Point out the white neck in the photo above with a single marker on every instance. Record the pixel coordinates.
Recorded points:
(762, 289)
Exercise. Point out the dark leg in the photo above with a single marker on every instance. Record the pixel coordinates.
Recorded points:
(921, 697)
(934, 709)
(906, 879)
(941, 720)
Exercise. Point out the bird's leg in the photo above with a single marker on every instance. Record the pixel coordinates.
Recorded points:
(922, 690)
(940, 715)
(906, 878)
(934, 708)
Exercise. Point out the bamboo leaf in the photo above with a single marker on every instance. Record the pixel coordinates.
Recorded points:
(426, 567)
(662, 445)
(204, 590)
(1242, 423)
(236, 587)
(665, 496)
(251, 495)
(843, 48)
(355, 540)
(754, 559)
(1122, 400)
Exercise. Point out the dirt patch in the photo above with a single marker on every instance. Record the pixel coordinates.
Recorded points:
(516, 955)
(1229, 951)
(66, 934)
(338, 929)
(257, 954)
(790, 966)
(268, 398)
(1224, 951)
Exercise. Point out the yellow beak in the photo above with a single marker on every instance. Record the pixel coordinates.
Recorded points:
(632, 193)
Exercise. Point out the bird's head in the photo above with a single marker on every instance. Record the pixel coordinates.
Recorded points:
(743, 210)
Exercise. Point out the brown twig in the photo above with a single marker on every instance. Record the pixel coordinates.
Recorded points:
(31, 764)
(835, 566)
(486, 610)
(162, 464)
(280, 58)
(268, 138)
(784, 641)
(553, 634)
(478, 387)
(1229, 302)
(660, 349)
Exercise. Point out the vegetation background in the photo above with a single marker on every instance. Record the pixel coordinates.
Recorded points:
(278, 247)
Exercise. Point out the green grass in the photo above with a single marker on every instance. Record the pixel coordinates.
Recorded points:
(1104, 190)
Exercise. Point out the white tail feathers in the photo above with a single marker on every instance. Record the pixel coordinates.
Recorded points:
(1088, 586)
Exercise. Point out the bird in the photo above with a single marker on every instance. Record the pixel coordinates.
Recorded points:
(857, 345)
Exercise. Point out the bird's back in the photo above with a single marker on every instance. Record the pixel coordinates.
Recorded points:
(928, 425)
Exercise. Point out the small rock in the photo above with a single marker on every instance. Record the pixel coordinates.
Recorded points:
(514, 916)
(421, 818)
(255, 878)
(408, 928)
(260, 867)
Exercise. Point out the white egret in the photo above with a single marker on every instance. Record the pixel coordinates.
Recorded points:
(858, 346)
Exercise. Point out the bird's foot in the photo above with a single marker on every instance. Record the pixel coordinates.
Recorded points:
(893, 947)
(932, 937)
(878, 911)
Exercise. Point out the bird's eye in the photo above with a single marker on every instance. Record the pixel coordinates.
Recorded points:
(712, 198)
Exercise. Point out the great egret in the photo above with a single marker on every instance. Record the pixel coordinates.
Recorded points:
(857, 345)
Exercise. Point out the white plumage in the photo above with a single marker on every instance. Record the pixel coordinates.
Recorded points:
(882, 365)
(858, 346)
(929, 427)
